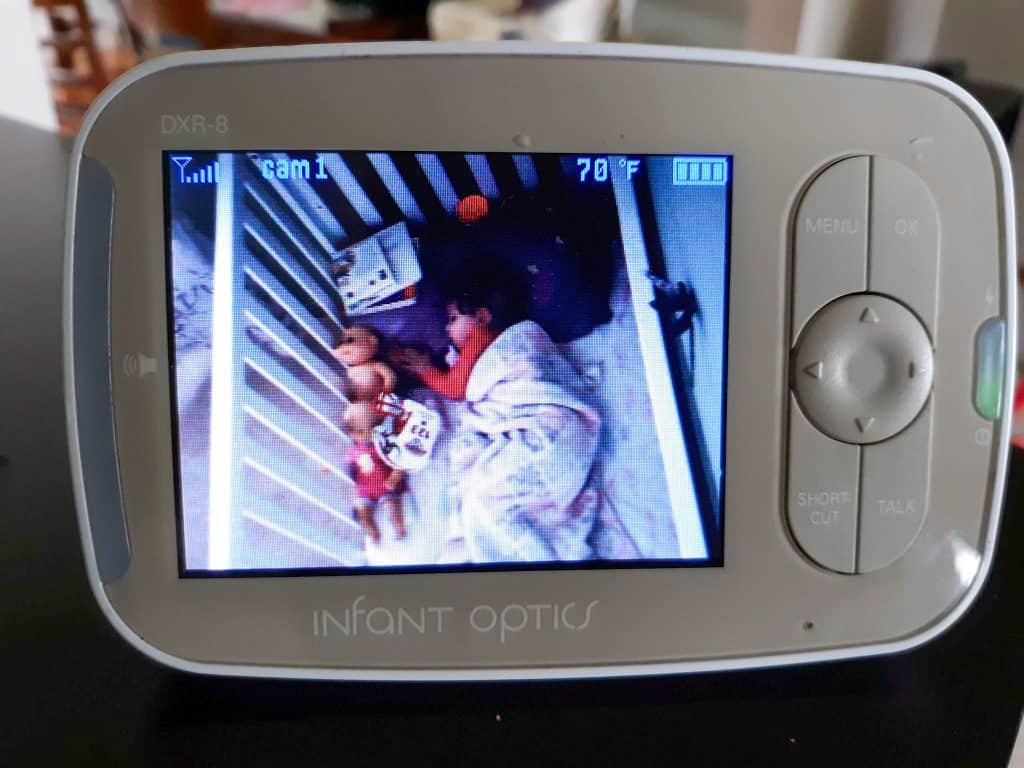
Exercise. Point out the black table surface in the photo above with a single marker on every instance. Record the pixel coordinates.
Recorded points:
(74, 693)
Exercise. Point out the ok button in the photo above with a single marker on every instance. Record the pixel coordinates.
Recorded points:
(862, 368)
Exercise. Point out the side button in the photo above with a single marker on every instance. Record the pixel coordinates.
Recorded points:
(90, 329)
(989, 364)
(821, 496)
(894, 493)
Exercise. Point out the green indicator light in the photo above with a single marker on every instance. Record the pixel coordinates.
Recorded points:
(989, 363)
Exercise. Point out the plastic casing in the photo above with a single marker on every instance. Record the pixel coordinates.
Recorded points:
(782, 119)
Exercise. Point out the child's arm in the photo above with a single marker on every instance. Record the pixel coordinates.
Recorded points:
(452, 383)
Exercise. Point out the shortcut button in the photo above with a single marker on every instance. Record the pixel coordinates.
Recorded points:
(822, 494)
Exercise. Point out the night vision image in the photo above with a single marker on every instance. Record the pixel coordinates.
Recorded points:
(443, 361)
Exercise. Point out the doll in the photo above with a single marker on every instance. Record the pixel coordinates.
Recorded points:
(368, 376)
(376, 483)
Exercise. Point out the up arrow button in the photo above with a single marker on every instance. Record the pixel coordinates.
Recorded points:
(868, 316)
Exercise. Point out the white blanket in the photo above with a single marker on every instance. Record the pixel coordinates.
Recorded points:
(524, 488)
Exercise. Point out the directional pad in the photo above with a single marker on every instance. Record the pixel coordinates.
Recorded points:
(862, 368)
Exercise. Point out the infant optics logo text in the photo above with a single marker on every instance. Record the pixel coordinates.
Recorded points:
(500, 621)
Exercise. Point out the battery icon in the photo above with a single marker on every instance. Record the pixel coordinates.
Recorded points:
(700, 171)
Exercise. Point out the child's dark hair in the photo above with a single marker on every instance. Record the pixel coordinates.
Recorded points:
(489, 283)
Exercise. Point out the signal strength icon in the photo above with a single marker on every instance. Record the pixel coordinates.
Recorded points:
(209, 174)
(181, 161)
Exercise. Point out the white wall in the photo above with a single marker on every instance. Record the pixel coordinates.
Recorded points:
(105, 22)
(705, 23)
(24, 90)
(989, 35)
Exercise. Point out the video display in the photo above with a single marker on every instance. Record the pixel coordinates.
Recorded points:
(423, 361)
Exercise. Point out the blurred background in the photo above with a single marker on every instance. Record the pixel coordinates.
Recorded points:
(58, 54)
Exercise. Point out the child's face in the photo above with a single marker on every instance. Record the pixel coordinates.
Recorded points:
(460, 326)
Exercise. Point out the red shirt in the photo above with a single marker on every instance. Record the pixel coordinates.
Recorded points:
(452, 383)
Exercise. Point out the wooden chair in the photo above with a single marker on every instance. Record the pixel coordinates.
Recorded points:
(71, 30)
(76, 70)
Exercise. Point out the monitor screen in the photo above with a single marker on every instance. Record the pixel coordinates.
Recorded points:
(442, 361)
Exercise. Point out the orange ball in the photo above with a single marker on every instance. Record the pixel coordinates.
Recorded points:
(472, 208)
